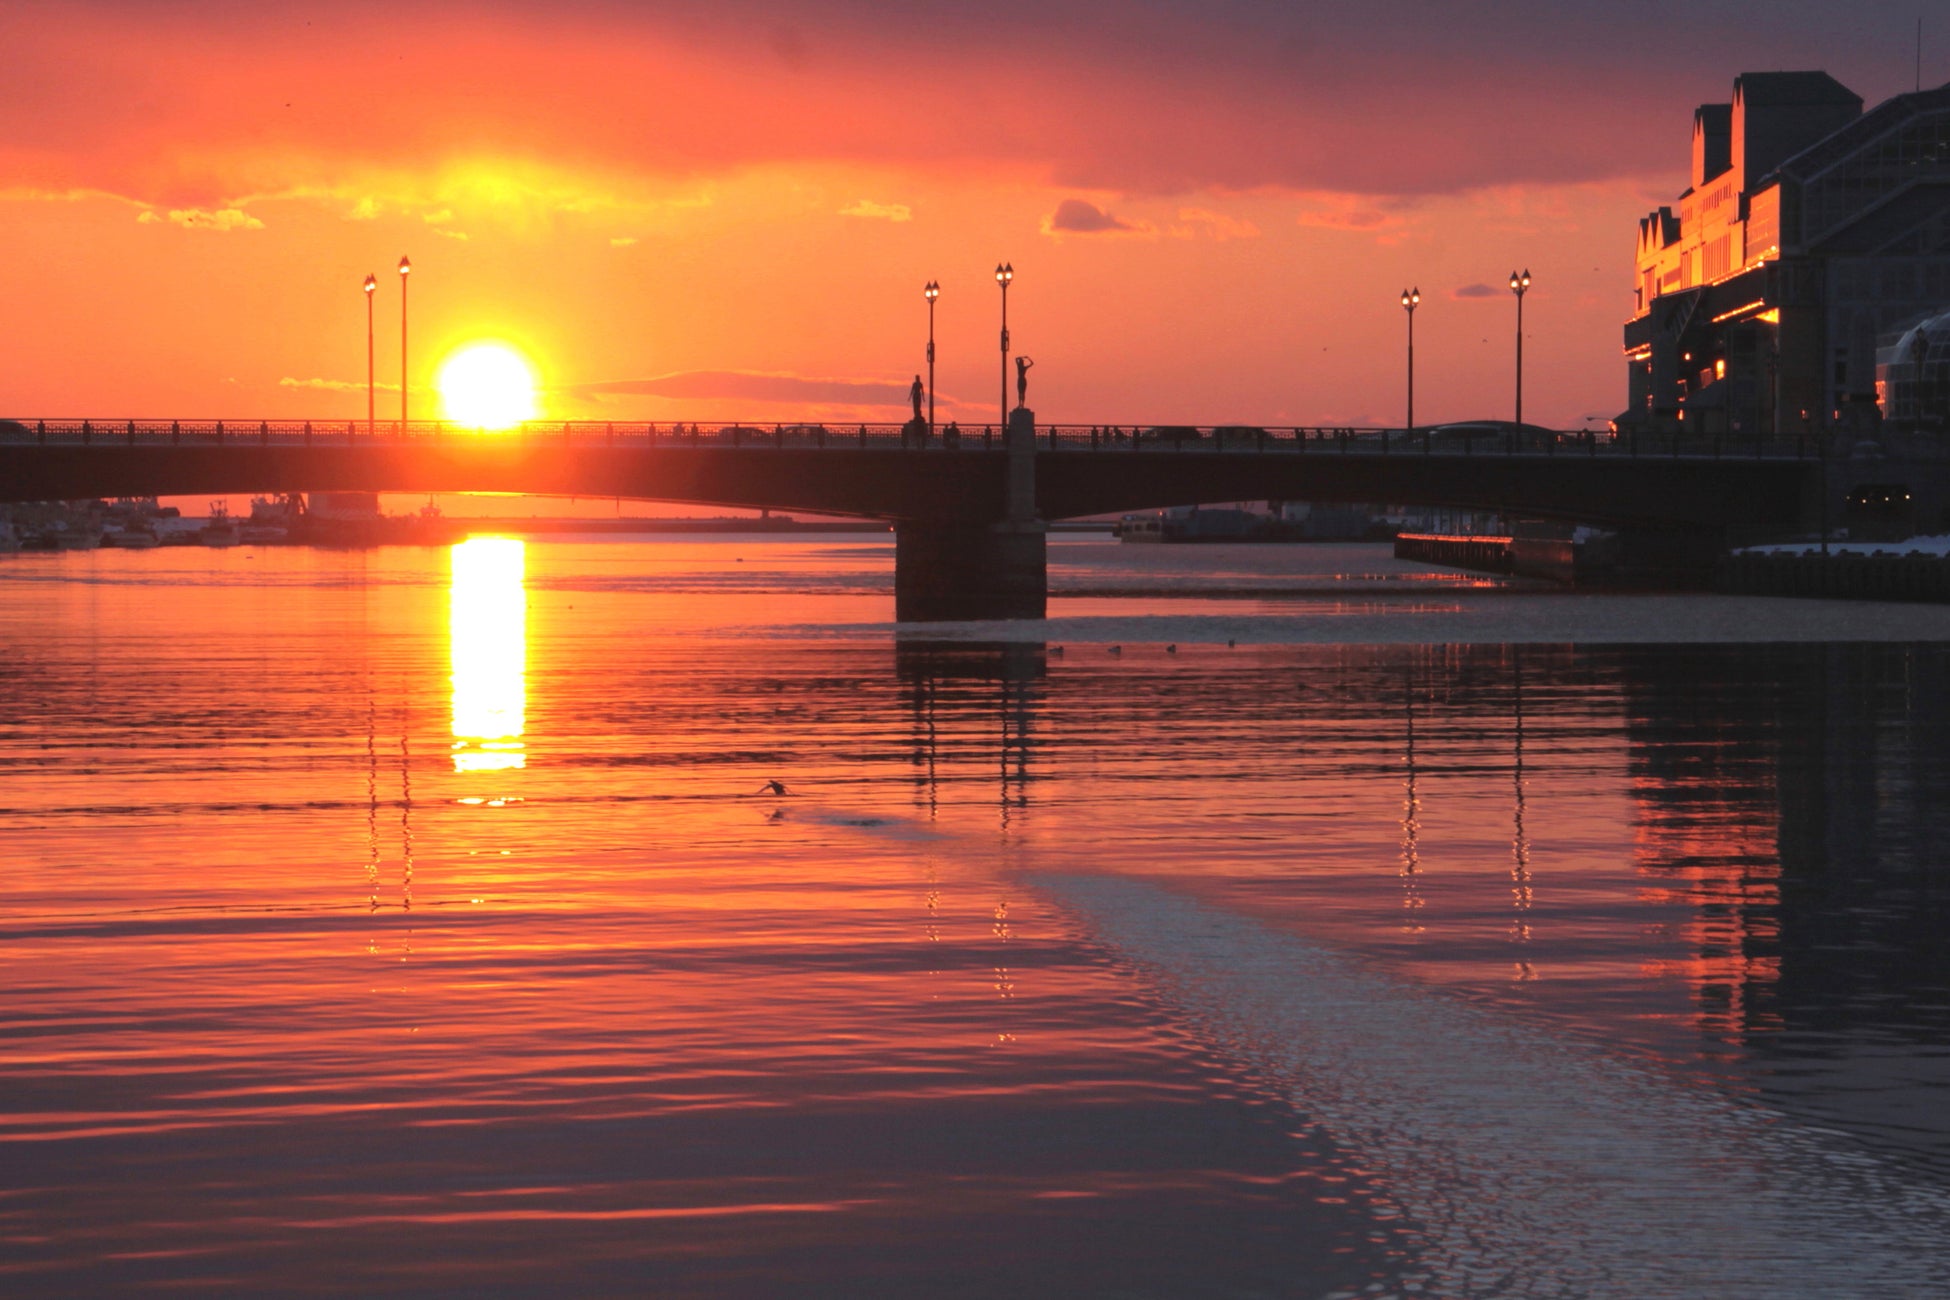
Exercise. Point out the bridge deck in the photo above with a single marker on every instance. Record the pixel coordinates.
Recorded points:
(881, 471)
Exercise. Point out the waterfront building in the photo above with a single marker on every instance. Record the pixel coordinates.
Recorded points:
(1811, 233)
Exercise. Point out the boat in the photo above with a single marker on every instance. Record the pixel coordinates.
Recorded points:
(220, 530)
(272, 519)
(131, 538)
(84, 538)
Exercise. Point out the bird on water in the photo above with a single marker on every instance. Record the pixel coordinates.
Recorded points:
(773, 787)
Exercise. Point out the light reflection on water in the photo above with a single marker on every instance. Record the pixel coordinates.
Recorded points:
(637, 1023)
(488, 631)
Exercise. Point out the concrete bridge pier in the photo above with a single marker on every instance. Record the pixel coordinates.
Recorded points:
(981, 568)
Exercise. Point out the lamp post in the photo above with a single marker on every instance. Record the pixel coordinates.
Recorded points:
(372, 283)
(1411, 299)
(932, 292)
(1519, 282)
(1004, 273)
(405, 269)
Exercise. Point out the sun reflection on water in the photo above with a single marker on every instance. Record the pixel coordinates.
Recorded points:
(487, 627)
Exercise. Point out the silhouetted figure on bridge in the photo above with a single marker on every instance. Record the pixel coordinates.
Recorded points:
(915, 432)
(1022, 380)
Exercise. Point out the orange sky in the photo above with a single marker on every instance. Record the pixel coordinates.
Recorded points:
(729, 210)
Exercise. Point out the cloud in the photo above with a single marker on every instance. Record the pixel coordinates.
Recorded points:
(622, 241)
(444, 233)
(1076, 217)
(223, 219)
(748, 385)
(440, 218)
(159, 102)
(333, 385)
(882, 211)
(1473, 291)
(1214, 225)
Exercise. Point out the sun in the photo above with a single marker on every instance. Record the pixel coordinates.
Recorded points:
(487, 386)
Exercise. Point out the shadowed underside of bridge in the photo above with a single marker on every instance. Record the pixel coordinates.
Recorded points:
(969, 533)
(1691, 493)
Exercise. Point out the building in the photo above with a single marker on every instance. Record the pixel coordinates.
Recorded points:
(1811, 232)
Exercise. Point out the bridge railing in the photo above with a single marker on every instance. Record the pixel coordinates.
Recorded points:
(1456, 440)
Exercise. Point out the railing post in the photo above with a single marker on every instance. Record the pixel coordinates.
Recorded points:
(988, 437)
(308, 433)
(175, 433)
(819, 437)
(349, 436)
(263, 433)
(40, 432)
(778, 437)
(609, 433)
(131, 433)
(863, 437)
(86, 433)
(650, 434)
(565, 433)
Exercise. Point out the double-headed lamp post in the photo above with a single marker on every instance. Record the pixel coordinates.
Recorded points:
(932, 292)
(405, 269)
(1519, 282)
(372, 284)
(1411, 299)
(1004, 273)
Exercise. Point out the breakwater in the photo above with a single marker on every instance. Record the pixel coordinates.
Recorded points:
(1880, 575)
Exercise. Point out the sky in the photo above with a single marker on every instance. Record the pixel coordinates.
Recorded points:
(728, 210)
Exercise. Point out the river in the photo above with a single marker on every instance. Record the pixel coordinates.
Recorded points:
(594, 916)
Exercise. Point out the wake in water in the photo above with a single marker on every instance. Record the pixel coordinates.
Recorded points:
(1521, 1163)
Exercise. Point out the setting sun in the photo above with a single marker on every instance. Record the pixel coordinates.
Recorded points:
(487, 386)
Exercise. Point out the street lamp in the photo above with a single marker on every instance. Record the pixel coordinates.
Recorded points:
(372, 283)
(1004, 273)
(405, 269)
(1519, 282)
(1411, 299)
(932, 292)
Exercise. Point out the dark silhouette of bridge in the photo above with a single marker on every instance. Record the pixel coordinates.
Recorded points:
(968, 512)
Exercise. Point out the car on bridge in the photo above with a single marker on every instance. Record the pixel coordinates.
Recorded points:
(1172, 433)
(1490, 436)
(1247, 436)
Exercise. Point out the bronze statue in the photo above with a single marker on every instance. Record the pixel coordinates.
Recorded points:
(915, 394)
(1022, 380)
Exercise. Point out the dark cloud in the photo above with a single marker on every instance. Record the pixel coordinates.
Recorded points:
(1076, 217)
(1473, 291)
(192, 103)
(745, 385)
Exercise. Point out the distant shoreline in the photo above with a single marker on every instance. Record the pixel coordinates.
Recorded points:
(646, 524)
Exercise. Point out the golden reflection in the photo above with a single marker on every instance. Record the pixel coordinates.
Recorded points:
(1521, 892)
(488, 630)
(1411, 854)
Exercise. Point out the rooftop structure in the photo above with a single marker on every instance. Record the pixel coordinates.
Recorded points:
(1811, 230)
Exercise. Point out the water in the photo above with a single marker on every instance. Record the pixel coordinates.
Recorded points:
(415, 922)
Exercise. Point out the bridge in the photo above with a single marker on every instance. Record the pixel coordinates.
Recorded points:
(969, 509)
